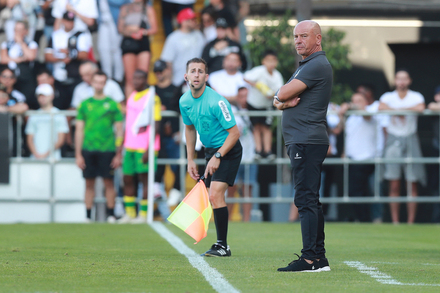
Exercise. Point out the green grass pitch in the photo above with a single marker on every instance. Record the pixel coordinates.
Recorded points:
(133, 258)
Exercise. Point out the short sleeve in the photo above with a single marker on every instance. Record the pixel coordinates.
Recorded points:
(168, 51)
(84, 42)
(418, 99)
(252, 75)
(157, 109)
(118, 113)
(33, 45)
(30, 126)
(80, 115)
(223, 113)
(62, 126)
(4, 45)
(387, 98)
(115, 91)
(185, 117)
(310, 74)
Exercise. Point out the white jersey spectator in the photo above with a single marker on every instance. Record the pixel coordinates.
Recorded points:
(86, 12)
(226, 84)
(260, 74)
(402, 125)
(59, 42)
(228, 80)
(360, 139)
(84, 91)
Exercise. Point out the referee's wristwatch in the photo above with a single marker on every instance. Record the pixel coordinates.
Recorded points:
(276, 98)
(218, 155)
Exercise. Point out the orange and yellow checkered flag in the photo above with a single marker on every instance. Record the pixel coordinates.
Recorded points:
(192, 215)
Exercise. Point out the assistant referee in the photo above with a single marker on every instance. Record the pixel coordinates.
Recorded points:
(208, 113)
(304, 99)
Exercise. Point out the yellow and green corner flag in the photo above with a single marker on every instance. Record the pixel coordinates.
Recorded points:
(192, 215)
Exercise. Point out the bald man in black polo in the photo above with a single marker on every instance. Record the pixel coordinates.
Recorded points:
(304, 100)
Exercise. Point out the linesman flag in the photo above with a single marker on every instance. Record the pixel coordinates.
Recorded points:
(192, 215)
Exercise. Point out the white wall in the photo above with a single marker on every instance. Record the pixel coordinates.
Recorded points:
(36, 182)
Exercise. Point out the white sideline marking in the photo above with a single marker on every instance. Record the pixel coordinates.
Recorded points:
(381, 277)
(214, 278)
(396, 263)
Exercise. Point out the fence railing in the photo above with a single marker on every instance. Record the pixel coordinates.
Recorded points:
(280, 162)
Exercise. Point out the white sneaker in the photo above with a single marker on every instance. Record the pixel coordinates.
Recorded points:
(139, 220)
(174, 197)
(111, 219)
(125, 219)
(87, 221)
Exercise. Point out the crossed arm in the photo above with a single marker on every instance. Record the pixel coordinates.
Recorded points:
(288, 94)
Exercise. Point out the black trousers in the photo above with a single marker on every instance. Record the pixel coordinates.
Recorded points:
(358, 186)
(306, 161)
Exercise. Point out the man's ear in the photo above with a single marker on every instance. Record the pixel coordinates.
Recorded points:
(185, 77)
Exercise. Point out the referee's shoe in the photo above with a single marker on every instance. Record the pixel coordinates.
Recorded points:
(218, 250)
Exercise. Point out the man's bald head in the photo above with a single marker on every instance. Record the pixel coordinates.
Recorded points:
(311, 25)
(307, 35)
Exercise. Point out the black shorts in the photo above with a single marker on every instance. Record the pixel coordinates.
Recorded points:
(98, 164)
(264, 120)
(132, 46)
(229, 164)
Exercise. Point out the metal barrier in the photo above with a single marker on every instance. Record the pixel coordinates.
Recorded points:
(280, 161)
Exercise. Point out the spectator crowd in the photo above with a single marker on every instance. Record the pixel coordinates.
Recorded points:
(108, 90)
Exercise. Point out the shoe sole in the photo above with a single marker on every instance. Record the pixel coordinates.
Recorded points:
(325, 269)
(213, 255)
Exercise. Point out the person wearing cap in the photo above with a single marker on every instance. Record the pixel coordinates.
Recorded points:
(216, 50)
(136, 23)
(66, 49)
(169, 132)
(84, 11)
(170, 8)
(183, 44)
(45, 134)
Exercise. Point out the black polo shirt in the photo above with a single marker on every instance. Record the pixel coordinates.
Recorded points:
(306, 123)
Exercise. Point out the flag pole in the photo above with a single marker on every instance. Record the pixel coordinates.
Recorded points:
(151, 140)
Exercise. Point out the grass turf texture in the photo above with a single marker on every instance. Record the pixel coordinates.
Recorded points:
(133, 258)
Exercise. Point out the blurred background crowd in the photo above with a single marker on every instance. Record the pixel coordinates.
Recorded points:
(53, 51)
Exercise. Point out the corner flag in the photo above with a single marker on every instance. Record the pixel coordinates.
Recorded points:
(192, 215)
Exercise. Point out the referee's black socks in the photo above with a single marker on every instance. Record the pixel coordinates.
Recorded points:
(221, 216)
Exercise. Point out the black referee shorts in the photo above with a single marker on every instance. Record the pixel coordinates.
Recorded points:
(229, 164)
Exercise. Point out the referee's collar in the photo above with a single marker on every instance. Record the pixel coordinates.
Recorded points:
(310, 57)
